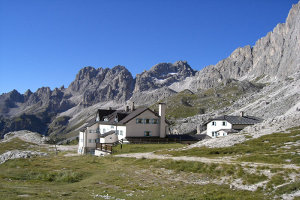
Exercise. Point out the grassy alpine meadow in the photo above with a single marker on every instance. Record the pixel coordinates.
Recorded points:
(89, 177)
(142, 148)
(276, 148)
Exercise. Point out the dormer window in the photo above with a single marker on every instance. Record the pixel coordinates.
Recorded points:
(224, 123)
(106, 119)
(214, 123)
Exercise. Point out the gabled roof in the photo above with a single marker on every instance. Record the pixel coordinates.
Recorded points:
(91, 122)
(133, 114)
(237, 120)
(119, 114)
(107, 133)
(122, 116)
(103, 112)
(82, 129)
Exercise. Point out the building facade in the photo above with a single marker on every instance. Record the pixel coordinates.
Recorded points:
(110, 126)
(228, 124)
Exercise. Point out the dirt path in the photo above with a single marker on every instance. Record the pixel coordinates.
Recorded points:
(224, 160)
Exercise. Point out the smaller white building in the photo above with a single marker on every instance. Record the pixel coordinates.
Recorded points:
(228, 124)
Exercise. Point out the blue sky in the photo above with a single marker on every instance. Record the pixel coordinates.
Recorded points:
(46, 42)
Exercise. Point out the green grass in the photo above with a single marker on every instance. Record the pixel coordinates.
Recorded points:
(141, 148)
(87, 176)
(290, 188)
(90, 177)
(266, 149)
(276, 180)
(15, 143)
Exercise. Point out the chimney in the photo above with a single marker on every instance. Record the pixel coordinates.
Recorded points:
(162, 114)
(126, 108)
(198, 129)
(98, 116)
(109, 108)
(132, 106)
(242, 114)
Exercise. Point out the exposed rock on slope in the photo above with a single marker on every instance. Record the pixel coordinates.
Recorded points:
(19, 154)
(99, 85)
(273, 57)
(153, 85)
(163, 74)
(25, 135)
(150, 97)
(90, 87)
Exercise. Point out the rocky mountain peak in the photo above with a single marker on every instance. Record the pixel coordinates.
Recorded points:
(15, 96)
(119, 68)
(102, 84)
(86, 73)
(28, 92)
(163, 74)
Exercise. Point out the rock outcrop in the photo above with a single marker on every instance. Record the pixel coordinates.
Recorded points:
(161, 75)
(98, 85)
(19, 154)
(272, 58)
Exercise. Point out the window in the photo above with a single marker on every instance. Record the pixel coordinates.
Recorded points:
(90, 141)
(104, 130)
(214, 123)
(112, 127)
(121, 132)
(147, 133)
(139, 121)
(214, 134)
(147, 121)
(155, 121)
(90, 131)
(224, 123)
(118, 132)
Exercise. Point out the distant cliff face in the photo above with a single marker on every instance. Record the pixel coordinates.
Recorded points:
(102, 84)
(273, 57)
(163, 74)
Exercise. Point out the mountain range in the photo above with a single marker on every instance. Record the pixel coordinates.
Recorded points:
(250, 74)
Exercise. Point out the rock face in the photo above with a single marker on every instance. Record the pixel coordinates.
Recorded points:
(103, 84)
(273, 57)
(161, 75)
